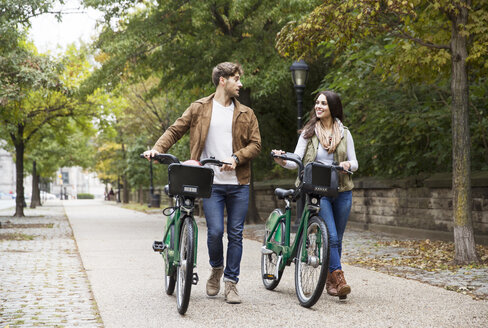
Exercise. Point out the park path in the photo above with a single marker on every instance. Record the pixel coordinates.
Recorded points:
(127, 282)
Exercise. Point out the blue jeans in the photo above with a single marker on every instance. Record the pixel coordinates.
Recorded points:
(235, 198)
(335, 212)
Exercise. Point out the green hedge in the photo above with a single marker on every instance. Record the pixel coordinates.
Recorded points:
(85, 196)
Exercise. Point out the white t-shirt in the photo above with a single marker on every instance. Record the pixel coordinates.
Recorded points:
(219, 141)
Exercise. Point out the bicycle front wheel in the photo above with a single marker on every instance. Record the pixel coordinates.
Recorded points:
(184, 276)
(312, 262)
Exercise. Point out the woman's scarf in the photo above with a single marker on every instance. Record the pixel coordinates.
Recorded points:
(330, 139)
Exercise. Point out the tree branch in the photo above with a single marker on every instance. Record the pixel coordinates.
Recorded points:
(219, 20)
(45, 110)
(404, 35)
(46, 120)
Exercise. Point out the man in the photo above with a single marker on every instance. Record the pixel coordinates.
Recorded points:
(223, 128)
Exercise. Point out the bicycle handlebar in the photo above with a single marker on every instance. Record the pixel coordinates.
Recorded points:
(337, 167)
(213, 161)
(163, 158)
(170, 159)
(290, 157)
(295, 158)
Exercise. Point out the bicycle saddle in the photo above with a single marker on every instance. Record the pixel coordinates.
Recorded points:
(283, 193)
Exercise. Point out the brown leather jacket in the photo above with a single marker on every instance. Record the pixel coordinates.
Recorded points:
(246, 139)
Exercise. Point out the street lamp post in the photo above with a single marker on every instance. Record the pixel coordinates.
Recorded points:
(151, 188)
(299, 75)
(155, 199)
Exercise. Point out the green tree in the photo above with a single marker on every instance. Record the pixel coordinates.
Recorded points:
(14, 18)
(137, 169)
(178, 43)
(59, 146)
(41, 93)
(431, 38)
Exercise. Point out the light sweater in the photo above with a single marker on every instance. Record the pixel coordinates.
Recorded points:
(322, 154)
(218, 143)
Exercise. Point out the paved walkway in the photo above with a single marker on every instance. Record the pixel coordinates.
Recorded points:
(42, 280)
(362, 248)
(126, 278)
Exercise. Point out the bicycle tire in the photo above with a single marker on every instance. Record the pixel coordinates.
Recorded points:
(268, 264)
(310, 276)
(184, 275)
(169, 280)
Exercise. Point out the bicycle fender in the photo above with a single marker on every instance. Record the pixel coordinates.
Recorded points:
(271, 223)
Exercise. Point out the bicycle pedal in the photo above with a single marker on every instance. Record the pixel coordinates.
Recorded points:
(269, 276)
(266, 251)
(158, 246)
(195, 278)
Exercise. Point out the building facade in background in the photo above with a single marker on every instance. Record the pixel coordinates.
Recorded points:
(7, 172)
(69, 181)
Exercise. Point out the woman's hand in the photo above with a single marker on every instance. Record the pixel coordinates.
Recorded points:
(346, 166)
(280, 161)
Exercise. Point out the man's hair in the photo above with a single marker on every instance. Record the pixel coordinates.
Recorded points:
(225, 70)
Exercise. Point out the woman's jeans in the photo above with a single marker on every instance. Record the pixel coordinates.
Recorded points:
(335, 212)
(235, 198)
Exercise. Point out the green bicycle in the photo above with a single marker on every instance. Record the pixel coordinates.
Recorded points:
(186, 182)
(310, 248)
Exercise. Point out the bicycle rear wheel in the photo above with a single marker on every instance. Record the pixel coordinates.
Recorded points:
(169, 279)
(184, 276)
(310, 275)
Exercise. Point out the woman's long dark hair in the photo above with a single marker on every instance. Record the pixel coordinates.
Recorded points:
(335, 107)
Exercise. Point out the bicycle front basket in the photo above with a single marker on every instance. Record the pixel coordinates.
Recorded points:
(320, 179)
(190, 180)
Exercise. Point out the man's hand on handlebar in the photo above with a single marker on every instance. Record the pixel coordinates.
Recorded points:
(229, 167)
(150, 154)
(280, 161)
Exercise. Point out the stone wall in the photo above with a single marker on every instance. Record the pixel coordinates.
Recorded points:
(417, 206)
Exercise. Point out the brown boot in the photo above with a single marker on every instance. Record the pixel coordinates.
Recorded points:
(342, 287)
(331, 285)
(213, 283)
(231, 294)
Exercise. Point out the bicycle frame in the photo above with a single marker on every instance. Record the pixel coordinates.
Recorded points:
(176, 220)
(287, 251)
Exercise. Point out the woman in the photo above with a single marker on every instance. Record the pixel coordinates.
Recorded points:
(325, 139)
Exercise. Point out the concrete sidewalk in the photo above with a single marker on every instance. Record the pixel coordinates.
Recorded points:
(127, 280)
(42, 280)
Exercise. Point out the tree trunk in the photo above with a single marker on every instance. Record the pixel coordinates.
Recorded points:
(38, 191)
(465, 251)
(141, 195)
(35, 199)
(19, 171)
(125, 195)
